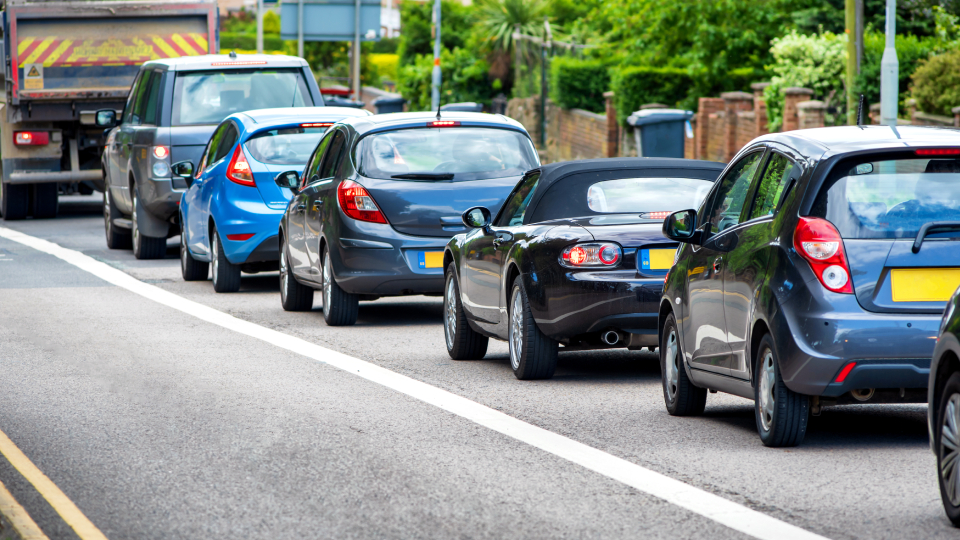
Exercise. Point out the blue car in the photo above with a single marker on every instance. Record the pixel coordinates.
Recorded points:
(230, 213)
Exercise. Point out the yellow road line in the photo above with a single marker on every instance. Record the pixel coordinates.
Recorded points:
(72, 515)
(21, 521)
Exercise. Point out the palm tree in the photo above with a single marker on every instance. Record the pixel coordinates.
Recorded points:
(501, 18)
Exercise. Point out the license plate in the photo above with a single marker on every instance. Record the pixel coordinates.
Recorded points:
(924, 284)
(430, 259)
(657, 259)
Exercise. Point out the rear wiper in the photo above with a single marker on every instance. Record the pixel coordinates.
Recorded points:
(934, 227)
(424, 176)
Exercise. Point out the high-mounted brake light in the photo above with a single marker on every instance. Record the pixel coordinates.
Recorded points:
(31, 138)
(316, 124)
(239, 170)
(818, 241)
(655, 215)
(443, 123)
(160, 152)
(240, 63)
(594, 254)
(842, 376)
(357, 203)
(938, 152)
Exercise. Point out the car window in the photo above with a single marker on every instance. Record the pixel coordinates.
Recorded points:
(776, 177)
(151, 97)
(132, 98)
(226, 142)
(284, 146)
(727, 202)
(331, 158)
(635, 195)
(136, 118)
(312, 172)
(207, 97)
(516, 206)
(212, 146)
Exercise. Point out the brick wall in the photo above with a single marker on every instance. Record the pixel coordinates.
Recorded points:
(571, 134)
(715, 147)
(746, 128)
(706, 108)
(368, 94)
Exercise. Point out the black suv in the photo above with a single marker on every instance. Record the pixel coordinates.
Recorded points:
(814, 274)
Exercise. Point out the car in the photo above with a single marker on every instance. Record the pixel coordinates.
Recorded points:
(230, 213)
(814, 274)
(380, 197)
(943, 403)
(173, 108)
(576, 256)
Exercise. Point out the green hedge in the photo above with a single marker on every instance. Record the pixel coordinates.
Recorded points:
(936, 83)
(636, 86)
(579, 84)
(248, 42)
(464, 79)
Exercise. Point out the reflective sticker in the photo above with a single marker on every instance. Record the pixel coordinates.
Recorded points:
(53, 51)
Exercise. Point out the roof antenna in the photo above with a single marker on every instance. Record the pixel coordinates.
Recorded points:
(860, 112)
(439, 98)
(233, 54)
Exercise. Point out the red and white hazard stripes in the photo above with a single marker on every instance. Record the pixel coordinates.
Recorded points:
(56, 52)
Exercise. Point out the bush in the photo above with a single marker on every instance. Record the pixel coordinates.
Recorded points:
(636, 86)
(386, 65)
(248, 42)
(936, 83)
(910, 51)
(464, 79)
(456, 21)
(817, 62)
(578, 84)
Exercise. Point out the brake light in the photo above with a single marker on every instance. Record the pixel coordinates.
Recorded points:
(938, 152)
(239, 170)
(844, 372)
(357, 203)
(818, 241)
(443, 123)
(603, 254)
(655, 215)
(317, 125)
(160, 152)
(240, 63)
(31, 138)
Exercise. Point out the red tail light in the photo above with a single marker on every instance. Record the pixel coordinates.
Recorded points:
(316, 124)
(818, 241)
(357, 203)
(938, 151)
(443, 123)
(31, 138)
(594, 254)
(239, 170)
(844, 372)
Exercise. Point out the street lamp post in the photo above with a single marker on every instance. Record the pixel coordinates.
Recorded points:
(889, 70)
(435, 89)
(259, 26)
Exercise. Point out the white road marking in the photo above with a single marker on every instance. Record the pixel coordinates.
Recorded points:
(728, 513)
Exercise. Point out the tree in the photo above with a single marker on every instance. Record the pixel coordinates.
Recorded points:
(455, 23)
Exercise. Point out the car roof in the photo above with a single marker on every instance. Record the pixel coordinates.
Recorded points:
(844, 139)
(419, 119)
(225, 61)
(259, 118)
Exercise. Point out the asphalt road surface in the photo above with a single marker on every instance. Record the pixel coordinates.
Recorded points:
(160, 424)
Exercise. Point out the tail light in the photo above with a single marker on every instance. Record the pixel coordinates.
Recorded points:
(239, 170)
(357, 203)
(161, 152)
(443, 123)
(842, 376)
(818, 241)
(31, 138)
(938, 151)
(594, 254)
(655, 215)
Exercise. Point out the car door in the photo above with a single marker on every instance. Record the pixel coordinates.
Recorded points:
(704, 327)
(143, 129)
(296, 237)
(123, 141)
(748, 254)
(196, 220)
(484, 253)
(313, 198)
(219, 147)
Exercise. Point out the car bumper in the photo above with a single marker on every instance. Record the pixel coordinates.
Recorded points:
(159, 197)
(258, 219)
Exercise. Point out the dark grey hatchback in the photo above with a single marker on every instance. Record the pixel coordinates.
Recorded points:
(814, 274)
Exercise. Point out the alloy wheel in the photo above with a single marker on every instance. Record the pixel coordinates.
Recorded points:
(215, 254)
(136, 229)
(950, 449)
(107, 222)
(327, 282)
(451, 314)
(672, 365)
(768, 382)
(183, 249)
(516, 329)
(284, 279)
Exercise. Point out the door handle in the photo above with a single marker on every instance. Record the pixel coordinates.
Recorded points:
(717, 264)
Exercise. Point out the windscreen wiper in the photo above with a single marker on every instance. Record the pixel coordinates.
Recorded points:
(934, 227)
(424, 176)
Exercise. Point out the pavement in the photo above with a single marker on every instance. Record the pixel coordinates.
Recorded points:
(159, 424)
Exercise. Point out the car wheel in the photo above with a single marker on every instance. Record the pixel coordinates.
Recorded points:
(532, 354)
(680, 395)
(294, 296)
(463, 342)
(226, 275)
(190, 268)
(948, 447)
(145, 247)
(14, 201)
(46, 198)
(116, 238)
(781, 413)
(340, 308)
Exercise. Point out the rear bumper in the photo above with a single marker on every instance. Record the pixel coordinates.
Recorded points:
(263, 246)
(901, 373)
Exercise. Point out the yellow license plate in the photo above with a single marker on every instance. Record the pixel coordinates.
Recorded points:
(431, 259)
(924, 284)
(657, 259)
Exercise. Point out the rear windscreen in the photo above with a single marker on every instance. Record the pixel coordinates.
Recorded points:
(458, 153)
(632, 195)
(285, 146)
(207, 97)
(890, 198)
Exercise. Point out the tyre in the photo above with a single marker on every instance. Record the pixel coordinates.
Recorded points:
(44, 201)
(947, 438)
(532, 354)
(294, 296)
(226, 275)
(117, 238)
(145, 247)
(190, 268)
(463, 342)
(340, 308)
(14, 201)
(680, 395)
(781, 413)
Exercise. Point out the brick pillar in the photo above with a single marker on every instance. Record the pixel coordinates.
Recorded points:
(690, 145)
(760, 109)
(912, 110)
(792, 96)
(811, 114)
(875, 114)
(613, 129)
(956, 116)
(705, 108)
(734, 102)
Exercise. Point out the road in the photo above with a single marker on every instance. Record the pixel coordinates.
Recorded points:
(158, 423)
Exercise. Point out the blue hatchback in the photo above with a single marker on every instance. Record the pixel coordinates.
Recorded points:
(230, 214)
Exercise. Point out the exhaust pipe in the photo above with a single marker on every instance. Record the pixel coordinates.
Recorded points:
(863, 394)
(610, 337)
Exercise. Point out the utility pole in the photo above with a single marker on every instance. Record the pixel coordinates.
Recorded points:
(435, 89)
(260, 26)
(851, 30)
(299, 28)
(356, 51)
(889, 70)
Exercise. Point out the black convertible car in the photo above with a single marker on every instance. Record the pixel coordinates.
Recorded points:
(576, 256)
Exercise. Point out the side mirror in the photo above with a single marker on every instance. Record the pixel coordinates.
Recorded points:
(106, 118)
(183, 169)
(682, 227)
(289, 180)
(477, 217)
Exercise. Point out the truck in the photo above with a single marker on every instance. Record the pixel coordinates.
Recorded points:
(62, 62)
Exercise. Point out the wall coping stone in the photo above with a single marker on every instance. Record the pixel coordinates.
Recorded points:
(647, 106)
(758, 86)
(746, 114)
(875, 107)
(736, 96)
(608, 94)
(938, 118)
(588, 114)
(378, 92)
(795, 90)
(812, 104)
(955, 110)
